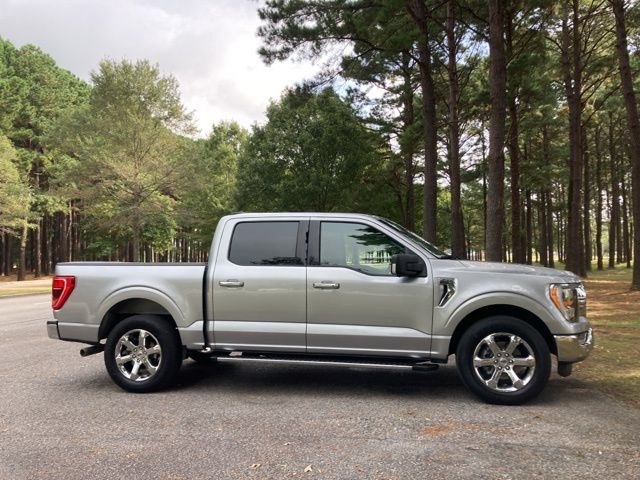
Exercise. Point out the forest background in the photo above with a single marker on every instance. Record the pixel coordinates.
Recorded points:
(501, 130)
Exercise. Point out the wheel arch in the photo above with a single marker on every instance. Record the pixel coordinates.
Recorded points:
(138, 301)
(502, 309)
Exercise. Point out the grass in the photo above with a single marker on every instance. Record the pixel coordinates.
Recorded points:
(9, 292)
(13, 277)
(614, 313)
(9, 286)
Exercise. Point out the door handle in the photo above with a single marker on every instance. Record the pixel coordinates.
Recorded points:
(231, 283)
(326, 285)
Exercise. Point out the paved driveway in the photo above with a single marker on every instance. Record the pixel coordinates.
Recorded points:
(61, 417)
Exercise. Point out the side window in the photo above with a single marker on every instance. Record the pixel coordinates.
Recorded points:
(357, 246)
(265, 243)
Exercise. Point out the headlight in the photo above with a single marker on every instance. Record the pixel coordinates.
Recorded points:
(565, 298)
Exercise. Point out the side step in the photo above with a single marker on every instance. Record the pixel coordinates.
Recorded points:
(383, 363)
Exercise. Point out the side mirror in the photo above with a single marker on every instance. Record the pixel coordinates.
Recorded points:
(407, 265)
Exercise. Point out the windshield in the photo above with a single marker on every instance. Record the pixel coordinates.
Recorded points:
(414, 237)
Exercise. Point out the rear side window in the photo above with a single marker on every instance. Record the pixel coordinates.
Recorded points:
(265, 243)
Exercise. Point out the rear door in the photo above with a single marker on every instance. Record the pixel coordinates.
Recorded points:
(259, 285)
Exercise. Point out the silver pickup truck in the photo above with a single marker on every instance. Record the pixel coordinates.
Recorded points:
(326, 288)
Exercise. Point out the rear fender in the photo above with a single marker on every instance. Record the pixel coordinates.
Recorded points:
(145, 293)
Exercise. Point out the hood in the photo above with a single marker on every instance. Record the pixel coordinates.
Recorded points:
(495, 267)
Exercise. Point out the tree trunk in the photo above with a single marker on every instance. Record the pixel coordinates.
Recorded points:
(611, 263)
(430, 194)
(549, 204)
(135, 245)
(457, 222)
(36, 235)
(46, 244)
(572, 76)
(517, 237)
(543, 236)
(75, 232)
(546, 192)
(633, 123)
(2, 253)
(484, 188)
(526, 255)
(37, 260)
(407, 144)
(614, 201)
(22, 252)
(619, 249)
(625, 222)
(514, 171)
(598, 153)
(418, 11)
(586, 204)
(7, 255)
(562, 224)
(62, 241)
(497, 91)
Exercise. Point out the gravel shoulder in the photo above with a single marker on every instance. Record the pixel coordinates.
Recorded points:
(61, 417)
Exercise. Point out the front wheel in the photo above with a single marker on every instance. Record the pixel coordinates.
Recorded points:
(143, 353)
(503, 360)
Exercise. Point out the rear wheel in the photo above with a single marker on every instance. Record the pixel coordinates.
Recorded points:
(143, 353)
(503, 360)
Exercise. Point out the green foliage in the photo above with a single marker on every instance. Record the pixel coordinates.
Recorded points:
(313, 153)
(14, 193)
(119, 152)
(210, 193)
(128, 163)
(34, 93)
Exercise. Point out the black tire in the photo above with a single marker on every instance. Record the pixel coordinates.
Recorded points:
(168, 362)
(535, 344)
(202, 358)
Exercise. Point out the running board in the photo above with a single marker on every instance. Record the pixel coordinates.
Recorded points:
(330, 361)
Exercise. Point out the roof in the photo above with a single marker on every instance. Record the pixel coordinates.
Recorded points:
(302, 214)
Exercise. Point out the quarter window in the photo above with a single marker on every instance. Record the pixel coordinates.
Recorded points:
(265, 243)
(357, 246)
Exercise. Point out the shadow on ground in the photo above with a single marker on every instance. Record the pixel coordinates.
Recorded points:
(318, 381)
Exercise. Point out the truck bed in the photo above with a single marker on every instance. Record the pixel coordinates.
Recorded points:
(104, 288)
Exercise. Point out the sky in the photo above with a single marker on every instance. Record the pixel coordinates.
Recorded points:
(210, 46)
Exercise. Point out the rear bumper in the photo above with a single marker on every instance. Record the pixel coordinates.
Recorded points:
(52, 330)
(72, 332)
(574, 348)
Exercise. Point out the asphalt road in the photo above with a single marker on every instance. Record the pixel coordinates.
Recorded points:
(61, 417)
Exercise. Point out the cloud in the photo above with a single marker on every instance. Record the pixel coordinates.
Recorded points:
(210, 46)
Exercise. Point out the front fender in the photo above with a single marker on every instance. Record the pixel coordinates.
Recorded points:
(446, 319)
(511, 299)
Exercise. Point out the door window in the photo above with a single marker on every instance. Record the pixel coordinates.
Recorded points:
(265, 243)
(357, 246)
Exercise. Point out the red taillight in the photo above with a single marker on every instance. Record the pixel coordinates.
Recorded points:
(61, 289)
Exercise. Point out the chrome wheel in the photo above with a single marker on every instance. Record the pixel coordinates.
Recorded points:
(504, 362)
(138, 355)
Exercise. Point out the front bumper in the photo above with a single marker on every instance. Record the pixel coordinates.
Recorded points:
(52, 330)
(574, 348)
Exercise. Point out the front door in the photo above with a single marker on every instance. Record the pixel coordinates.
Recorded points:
(259, 286)
(355, 305)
